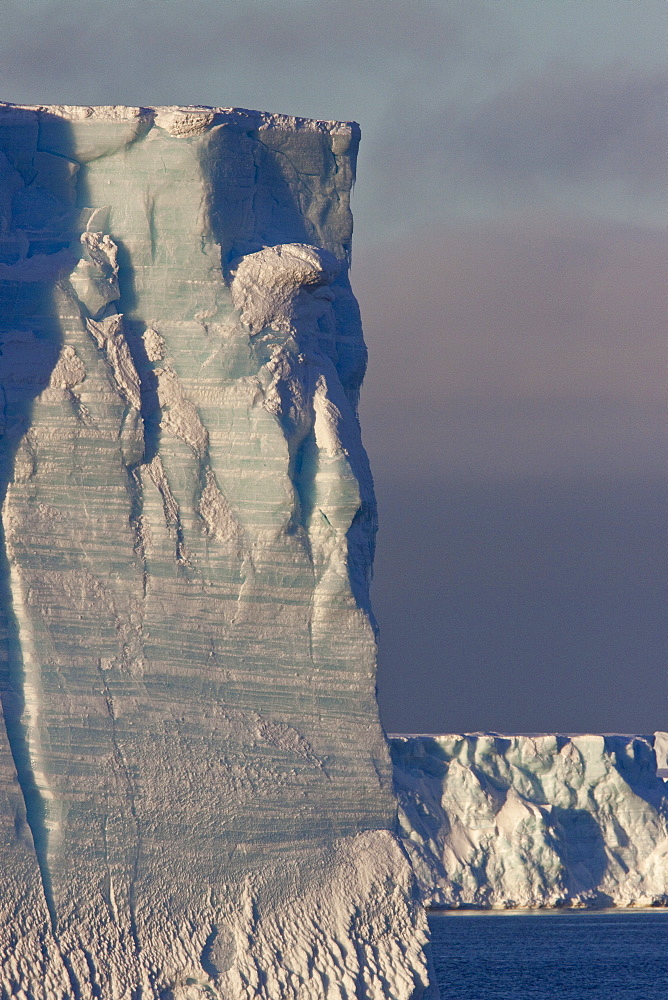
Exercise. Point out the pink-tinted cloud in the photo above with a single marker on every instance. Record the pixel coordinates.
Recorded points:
(530, 347)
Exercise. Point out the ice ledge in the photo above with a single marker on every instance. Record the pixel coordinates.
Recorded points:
(187, 120)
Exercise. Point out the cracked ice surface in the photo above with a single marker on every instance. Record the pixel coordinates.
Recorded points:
(195, 792)
(534, 821)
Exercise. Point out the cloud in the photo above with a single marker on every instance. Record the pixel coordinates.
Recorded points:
(569, 122)
(563, 135)
(116, 53)
(532, 347)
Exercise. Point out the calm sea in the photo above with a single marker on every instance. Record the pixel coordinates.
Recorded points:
(551, 956)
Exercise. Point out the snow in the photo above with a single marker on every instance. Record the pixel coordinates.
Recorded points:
(195, 791)
(534, 821)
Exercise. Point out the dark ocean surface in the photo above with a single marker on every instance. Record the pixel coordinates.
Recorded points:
(564, 955)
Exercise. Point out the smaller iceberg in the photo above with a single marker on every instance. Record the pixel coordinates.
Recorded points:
(499, 822)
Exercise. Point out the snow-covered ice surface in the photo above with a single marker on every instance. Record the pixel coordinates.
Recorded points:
(535, 821)
(195, 791)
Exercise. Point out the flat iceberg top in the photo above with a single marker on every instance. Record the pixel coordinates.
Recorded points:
(186, 119)
(515, 736)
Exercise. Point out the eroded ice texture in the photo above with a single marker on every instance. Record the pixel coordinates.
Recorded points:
(196, 792)
(494, 821)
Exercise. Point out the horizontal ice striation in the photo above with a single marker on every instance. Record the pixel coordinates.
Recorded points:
(196, 794)
(534, 821)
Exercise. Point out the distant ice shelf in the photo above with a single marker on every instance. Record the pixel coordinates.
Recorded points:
(195, 790)
(497, 821)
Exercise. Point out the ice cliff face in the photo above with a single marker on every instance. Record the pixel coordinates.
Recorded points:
(195, 792)
(492, 821)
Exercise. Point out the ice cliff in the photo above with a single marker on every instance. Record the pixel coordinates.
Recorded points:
(521, 821)
(195, 792)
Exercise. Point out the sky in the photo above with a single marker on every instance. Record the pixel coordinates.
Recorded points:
(509, 259)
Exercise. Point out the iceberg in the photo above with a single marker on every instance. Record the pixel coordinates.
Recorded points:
(196, 795)
(495, 821)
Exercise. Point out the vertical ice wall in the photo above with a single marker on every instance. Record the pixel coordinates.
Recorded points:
(197, 792)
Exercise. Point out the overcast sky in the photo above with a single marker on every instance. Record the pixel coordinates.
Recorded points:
(509, 258)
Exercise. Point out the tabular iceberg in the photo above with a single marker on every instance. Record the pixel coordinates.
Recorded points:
(542, 821)
(196, 793)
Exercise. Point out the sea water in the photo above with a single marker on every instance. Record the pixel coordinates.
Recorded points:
(556, 955)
